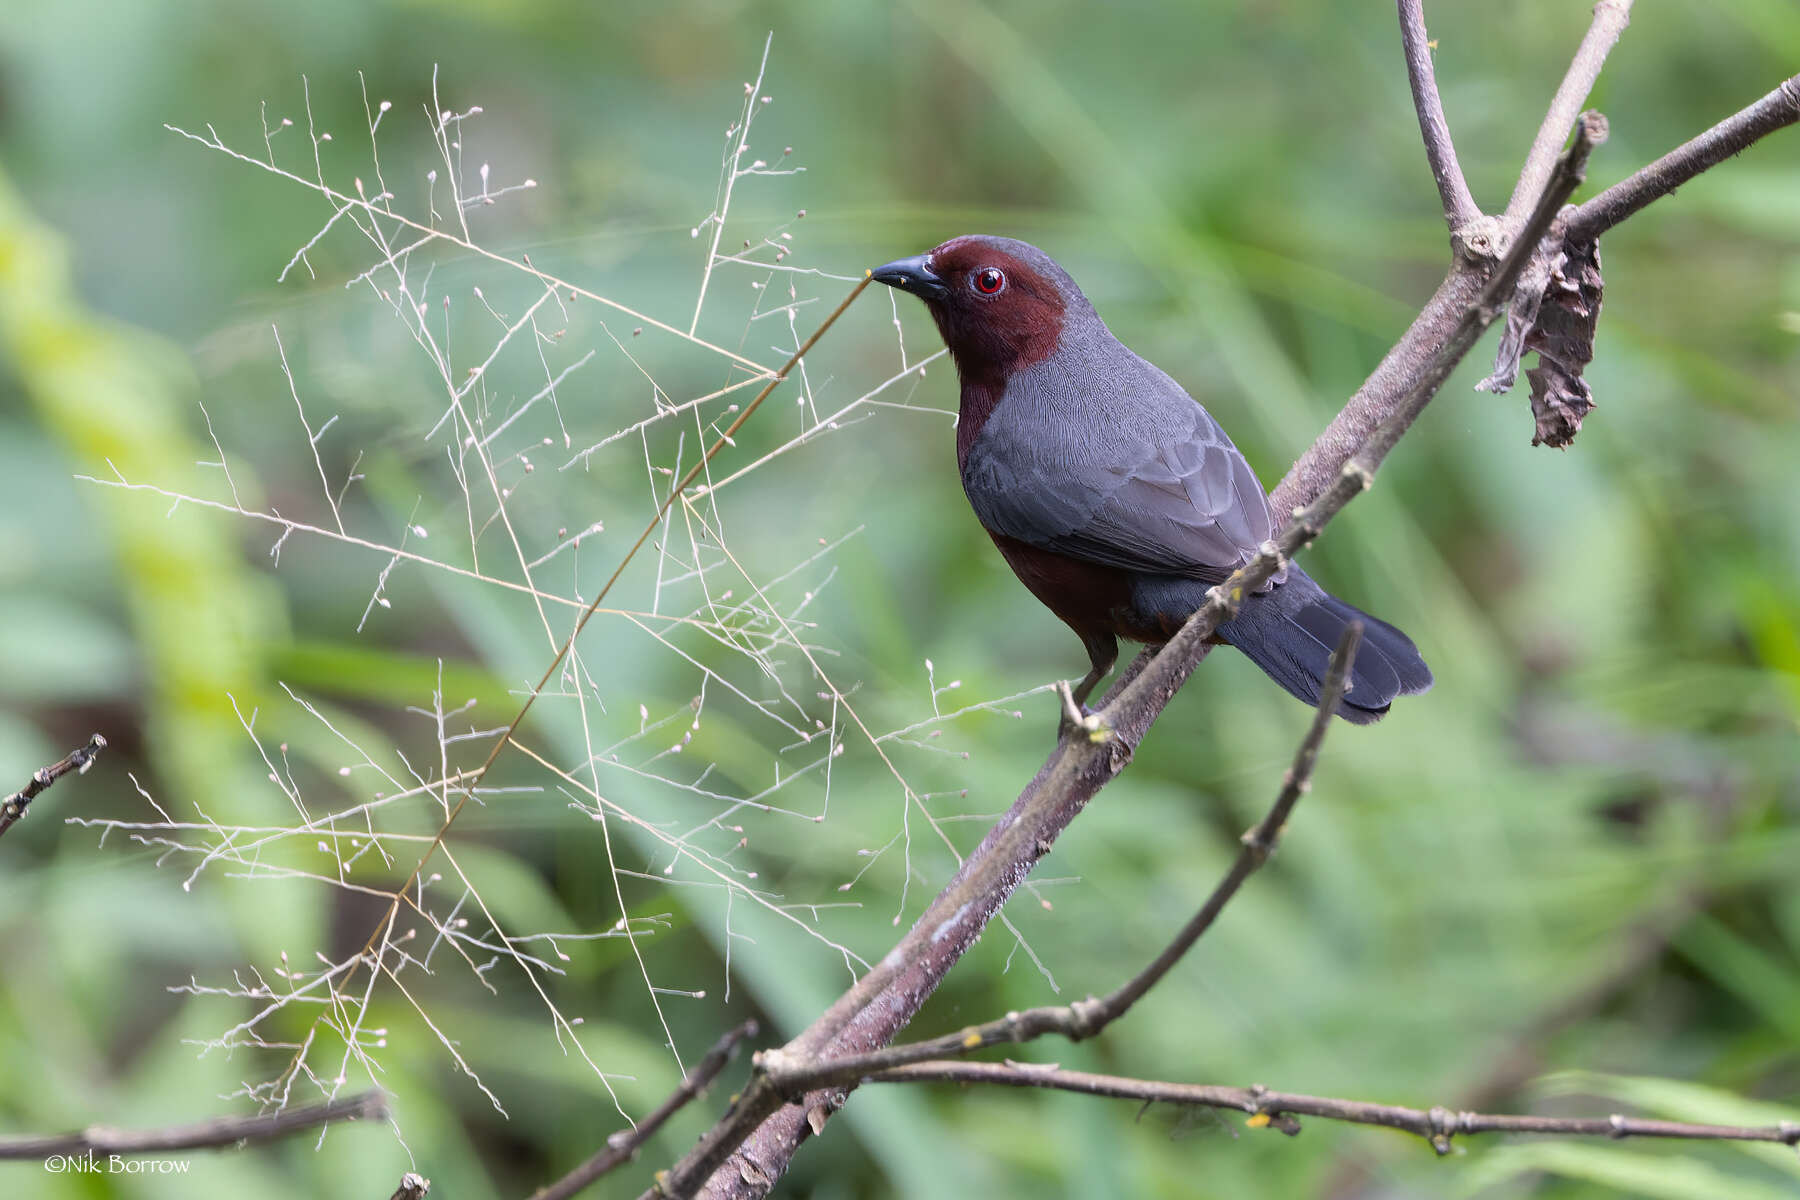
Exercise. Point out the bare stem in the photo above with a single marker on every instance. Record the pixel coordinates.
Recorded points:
(1777, 110)
(78, 761)
(623, 1146)
(1278, 1110)
(1459, 205)
(216, 1133)
(1610, 19)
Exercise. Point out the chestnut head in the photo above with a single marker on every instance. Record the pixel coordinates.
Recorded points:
(1000, 303)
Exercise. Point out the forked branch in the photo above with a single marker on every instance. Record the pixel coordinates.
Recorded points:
(624, 1145)
(1086, 1018)
(752, 1144)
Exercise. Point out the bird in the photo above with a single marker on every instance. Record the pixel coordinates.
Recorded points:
(1114, 496)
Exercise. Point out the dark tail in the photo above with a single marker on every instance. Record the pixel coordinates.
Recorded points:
(1291, 631)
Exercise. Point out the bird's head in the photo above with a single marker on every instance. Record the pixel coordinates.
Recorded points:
(1000, 303)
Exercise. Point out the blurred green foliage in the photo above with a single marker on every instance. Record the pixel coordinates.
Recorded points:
(1610, 757)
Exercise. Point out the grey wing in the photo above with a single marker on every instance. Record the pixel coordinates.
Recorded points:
(1174, 500)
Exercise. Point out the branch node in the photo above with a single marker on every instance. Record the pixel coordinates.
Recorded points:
(1354, 470)
(1444, 1126)
(1260, 844)
(1263, 1116)
(774, 1065)
(1086, 1018)
(1479, 242)
(413, 1186)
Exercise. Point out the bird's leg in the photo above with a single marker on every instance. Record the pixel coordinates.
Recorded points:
(1103, 652)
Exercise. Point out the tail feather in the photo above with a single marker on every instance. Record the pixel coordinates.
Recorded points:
(1291, 631)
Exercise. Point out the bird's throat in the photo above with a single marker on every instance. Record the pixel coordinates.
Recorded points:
(980, 396)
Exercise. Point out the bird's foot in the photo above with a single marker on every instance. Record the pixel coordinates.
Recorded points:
(1078, 720)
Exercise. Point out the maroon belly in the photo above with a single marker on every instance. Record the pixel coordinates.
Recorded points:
(1088, 597)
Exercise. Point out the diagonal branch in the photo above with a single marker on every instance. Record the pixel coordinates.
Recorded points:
(79, 760)
(1610, 19)
(1086, 1018)
(1777, 110)
(1278, 1110)
(1459, 205)
(217, 1133)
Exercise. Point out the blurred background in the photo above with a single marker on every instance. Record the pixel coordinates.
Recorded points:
(1564, 881)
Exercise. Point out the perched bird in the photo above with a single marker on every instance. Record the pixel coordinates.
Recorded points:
(1115, 497)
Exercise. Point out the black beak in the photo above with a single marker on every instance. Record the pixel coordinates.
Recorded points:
(912, 275)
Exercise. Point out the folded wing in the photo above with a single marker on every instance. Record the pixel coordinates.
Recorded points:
(1169, 495)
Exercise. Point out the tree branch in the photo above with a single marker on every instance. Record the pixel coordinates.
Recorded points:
(215, 1133)
(1086, 1018)
(1610, 19)
(1440, 151)
(78, 761)
(623, 1146)
(761, 1132)
(1277, 1110)
(1777, 110)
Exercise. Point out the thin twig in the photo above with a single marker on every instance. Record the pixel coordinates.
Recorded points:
(1777, 110)
(78, 761)
(216, 1133)
(1459, 205)
(429, 233)
(623, 1146)
(1277, 1110)
(1610, 19)
(729, 177)
(1086, 1018)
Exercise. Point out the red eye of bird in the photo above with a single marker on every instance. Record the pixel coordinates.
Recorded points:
(989, 280)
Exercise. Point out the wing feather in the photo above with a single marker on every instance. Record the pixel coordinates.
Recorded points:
(1160, 490)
